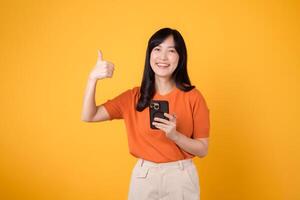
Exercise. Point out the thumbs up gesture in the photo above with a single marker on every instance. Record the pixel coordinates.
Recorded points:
(102, 69)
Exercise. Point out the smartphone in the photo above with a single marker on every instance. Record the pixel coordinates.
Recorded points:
(157, 108)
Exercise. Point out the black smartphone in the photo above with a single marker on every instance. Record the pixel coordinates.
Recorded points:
(157, 108)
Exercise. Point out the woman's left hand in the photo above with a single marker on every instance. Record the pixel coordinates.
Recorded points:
(168, 126)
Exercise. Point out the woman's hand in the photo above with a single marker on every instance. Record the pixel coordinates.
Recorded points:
(168, 126)
(196, 147)
(102, 69)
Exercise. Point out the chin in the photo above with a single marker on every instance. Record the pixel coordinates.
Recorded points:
(163, 75)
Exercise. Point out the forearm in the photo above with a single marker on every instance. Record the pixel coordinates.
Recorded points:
(89, 104)
(190, 145)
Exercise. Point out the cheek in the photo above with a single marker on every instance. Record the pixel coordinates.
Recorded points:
(152, 57)
(152, 61)
(174, 59)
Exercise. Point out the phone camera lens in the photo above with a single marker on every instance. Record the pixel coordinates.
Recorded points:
(154, 106)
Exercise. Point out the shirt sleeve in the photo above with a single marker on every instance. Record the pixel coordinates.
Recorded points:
(117, 106)
(201, 119)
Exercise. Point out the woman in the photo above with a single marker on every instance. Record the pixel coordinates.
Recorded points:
(164, 169)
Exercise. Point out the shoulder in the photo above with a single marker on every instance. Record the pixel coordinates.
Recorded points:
(135, 88)
(131, 92)
(195, 95)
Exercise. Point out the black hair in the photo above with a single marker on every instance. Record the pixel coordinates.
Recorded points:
(180, 75)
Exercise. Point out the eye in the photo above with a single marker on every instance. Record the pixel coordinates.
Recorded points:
(173, 51)
(156, 49)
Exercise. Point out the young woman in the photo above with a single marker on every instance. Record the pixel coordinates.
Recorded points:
(164, 169)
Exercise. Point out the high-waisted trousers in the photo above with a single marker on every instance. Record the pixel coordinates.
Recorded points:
(178, 180)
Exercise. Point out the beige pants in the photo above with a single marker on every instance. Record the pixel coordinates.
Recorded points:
(177, 180)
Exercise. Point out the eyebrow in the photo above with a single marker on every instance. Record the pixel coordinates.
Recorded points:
(168, 46)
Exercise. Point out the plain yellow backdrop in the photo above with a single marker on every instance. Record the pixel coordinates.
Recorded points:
(242, 55)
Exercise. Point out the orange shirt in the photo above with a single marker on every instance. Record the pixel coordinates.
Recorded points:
(192, 120)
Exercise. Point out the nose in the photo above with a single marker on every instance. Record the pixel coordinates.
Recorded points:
(163, 55)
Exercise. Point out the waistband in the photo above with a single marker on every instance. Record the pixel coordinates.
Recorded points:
(177, 164)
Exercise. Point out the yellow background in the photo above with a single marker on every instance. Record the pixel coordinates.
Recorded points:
(242, 55)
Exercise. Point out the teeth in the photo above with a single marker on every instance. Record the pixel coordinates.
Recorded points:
(162, 65)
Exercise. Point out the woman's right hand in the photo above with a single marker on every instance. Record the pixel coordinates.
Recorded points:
(102, 69)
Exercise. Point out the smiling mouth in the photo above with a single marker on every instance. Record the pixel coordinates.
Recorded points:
(162, 65)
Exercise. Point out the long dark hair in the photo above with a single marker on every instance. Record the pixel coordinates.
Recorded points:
(180, 75)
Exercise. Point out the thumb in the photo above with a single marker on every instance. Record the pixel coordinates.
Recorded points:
(99, 55)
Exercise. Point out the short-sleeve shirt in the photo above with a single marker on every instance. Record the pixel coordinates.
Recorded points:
(192, 120)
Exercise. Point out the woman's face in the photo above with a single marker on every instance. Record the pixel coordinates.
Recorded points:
(164, 58)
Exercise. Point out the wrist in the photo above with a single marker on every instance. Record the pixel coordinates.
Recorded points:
(92, 79)
(175, 136)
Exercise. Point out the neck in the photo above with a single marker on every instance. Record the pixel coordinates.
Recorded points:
(163, 85)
